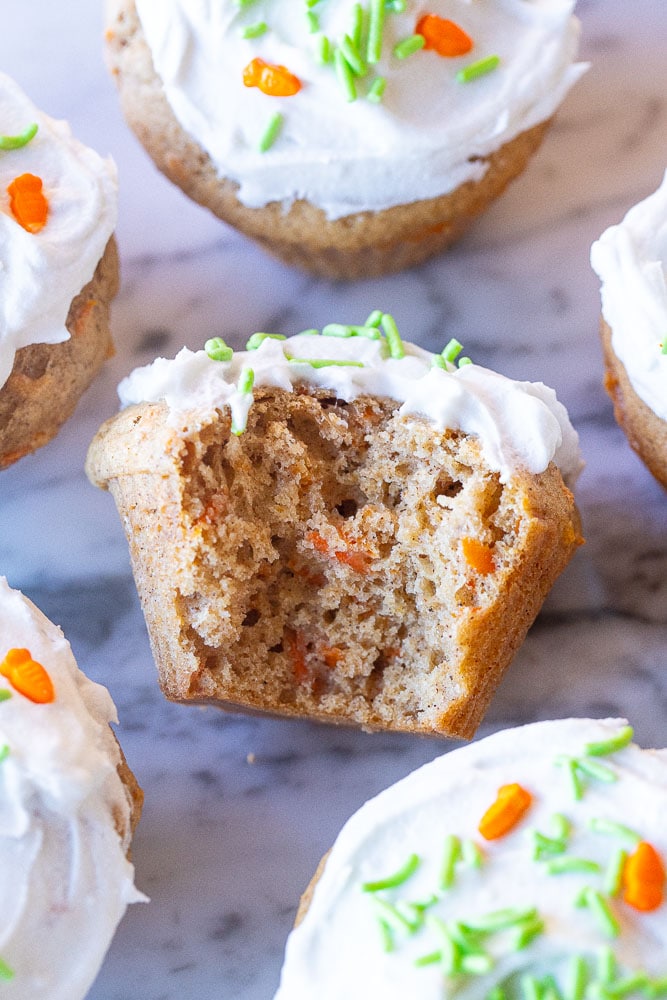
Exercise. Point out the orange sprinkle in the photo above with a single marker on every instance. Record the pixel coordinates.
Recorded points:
(27, 202)
(510, 805)
(478, 555)
(644, 878)
(276, 81)
(27, 676)
(444, 36)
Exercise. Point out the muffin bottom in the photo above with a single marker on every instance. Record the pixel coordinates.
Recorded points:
(362, 245)
(47, 380)
(645, 431)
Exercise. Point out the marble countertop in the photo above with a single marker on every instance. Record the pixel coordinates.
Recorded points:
(239, 810)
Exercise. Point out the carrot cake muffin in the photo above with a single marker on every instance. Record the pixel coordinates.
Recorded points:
(58, 271)
(631, 261)
(350, 138)
(529, 864)
(68, 808)
(339, 525)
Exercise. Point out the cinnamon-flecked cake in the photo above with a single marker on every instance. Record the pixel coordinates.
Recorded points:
(340, 525)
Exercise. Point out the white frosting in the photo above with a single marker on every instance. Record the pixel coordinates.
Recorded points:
(65, 880)
(40, 273)
(520, 424)
(631, 261)
(421, 141)
(337, 952)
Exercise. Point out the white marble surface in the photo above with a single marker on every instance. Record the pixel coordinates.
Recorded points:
(225, 846)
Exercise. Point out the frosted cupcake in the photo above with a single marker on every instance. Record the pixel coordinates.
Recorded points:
(530, 864)
(67, 810)
(631, 262)
(351, 139)
(339, 526)
(58, 271)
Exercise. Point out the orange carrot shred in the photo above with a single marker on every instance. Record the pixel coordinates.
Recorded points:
(446, 37)
(297, 652)
(276, 81)
(510, 805)
(28, 203)
(27, 676)
(478, 555)
(644, 878)
(354, 558)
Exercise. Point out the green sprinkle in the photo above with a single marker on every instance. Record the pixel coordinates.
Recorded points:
(606, 965)
(477, 69)
(398, 878)
(377, 89)
(663, 346)
(471, 853)
(356, 25)
(408, 46)
(575, 781)
(451, 351)
(258, 338)
(575, 983)
(397, 6)
(497, 993)
(325, 362)
(309, 333)
(375, 31)
(391, 916)
(656, 987)
(324, 50)
(608, 826)
(546, 846)
(271, 132)
(531, 988)
(614, 743)
(246, 381)
(4, 752)
(394, 342)
(6, 972)
(345, 75)
(255, 30)
(374, 319)
(550, 989)
(244, 3)
(344, 330)
(450, 957)
(451, 854)
(613, 875)
(561, 826)
(386, 936)
(476, 965)
(464, 361)
(630, 984)
(433, 958)
(352, 56)
(5, 694)
(500, 919)
(601, 910)
(524, 935)
(217, 349)
(313, 20)
(567, 865)
(599, 772)
(22, 139)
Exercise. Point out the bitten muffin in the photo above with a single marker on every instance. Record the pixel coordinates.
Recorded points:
(339, 526)
(631, 262)
(58, 271)
(529, 864)
(350, 139)
(68, 808)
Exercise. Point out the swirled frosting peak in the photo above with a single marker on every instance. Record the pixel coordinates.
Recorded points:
(528, 864)
(65, 880)
(631, 261)
(45, 260)
(375, 118)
